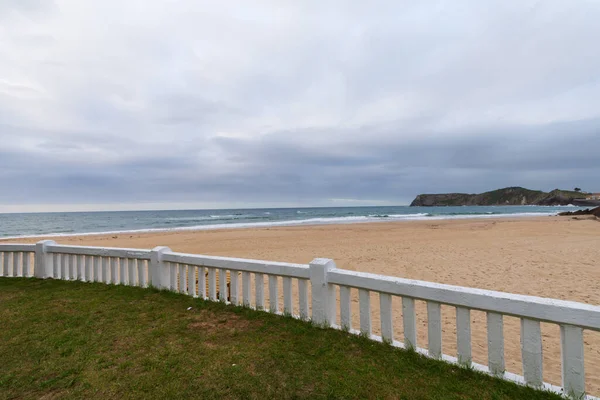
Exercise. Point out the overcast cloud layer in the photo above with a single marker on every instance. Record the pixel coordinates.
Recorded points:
(112, 104)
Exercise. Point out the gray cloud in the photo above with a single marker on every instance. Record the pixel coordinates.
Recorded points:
(272, 103)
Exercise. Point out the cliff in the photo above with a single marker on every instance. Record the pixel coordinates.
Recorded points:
(515, 196)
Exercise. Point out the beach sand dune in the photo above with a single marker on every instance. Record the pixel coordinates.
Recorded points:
(549, 257)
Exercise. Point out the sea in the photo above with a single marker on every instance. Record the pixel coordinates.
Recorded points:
(88, 223)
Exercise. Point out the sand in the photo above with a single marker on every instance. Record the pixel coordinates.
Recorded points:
(555, 257)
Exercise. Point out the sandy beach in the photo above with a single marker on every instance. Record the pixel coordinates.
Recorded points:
(554, 257)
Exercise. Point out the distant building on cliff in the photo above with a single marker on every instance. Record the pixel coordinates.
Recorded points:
(593, 196)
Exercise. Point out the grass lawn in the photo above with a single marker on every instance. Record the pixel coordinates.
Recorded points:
(81, 340)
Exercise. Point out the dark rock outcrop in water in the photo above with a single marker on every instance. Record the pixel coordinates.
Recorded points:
(512, 196)
(593, 211)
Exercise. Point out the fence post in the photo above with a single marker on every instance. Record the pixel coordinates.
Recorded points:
(159, 273)
(43, 260)
(323, 293)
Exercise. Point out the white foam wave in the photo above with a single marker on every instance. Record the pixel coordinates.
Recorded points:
(190, 218)
(408, 215)
(488, 216)
(309, 221)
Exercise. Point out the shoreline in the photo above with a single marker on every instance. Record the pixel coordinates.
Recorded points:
(286, 224)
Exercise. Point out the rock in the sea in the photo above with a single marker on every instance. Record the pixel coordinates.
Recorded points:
(593, 211)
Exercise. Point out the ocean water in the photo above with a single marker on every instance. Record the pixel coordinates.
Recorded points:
(51, 224)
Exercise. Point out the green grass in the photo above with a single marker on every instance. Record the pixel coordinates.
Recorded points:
(80, 340)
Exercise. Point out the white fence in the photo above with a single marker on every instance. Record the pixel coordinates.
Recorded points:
(196, 275)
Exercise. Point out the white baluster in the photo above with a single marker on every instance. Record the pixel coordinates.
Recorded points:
(192, 281)
(114, 270)
(131, 272)
(409, 320)
(89, 265)
(463, 335)
(182, 276)
(122, 271)
(385, 310)
(81, 268)
(97, 269)
(202, 282)
(303, 299)
(56, 266)
(73, 267)
(287, 296)
(222, 285)
(531, 352)
(64, 262)
(234, 287)
(15, 263)
(173, 268)
(364, 300)
(273, 294)
(246, 288)
(434, 329)
(345, 308)
(212, 284)
(573, 374)
(259, 291)
(105, 277)
(495, 334)
(143, 272)
(27, 265)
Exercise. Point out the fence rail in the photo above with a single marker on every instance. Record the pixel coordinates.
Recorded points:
(218, 279)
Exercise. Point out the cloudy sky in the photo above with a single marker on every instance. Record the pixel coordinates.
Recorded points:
(169, 104)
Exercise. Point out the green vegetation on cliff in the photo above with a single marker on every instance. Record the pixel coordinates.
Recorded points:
(507, 196)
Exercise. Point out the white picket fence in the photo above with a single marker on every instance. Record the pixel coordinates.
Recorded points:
(186, 273)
